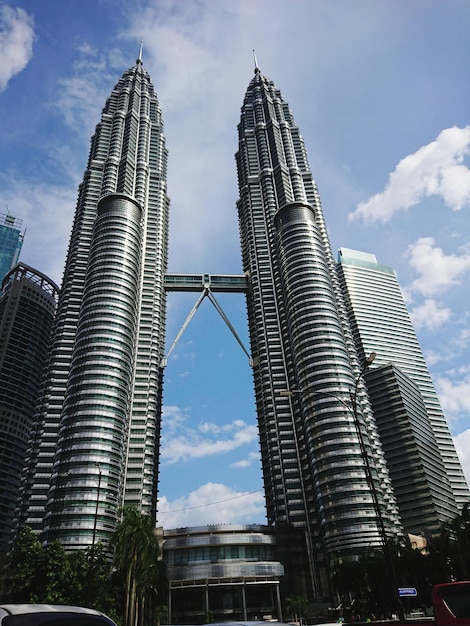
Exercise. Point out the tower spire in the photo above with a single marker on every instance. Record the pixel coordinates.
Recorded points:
(139, 59)
(256, 61)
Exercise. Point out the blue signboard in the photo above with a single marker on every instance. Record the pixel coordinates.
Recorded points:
(407, 591)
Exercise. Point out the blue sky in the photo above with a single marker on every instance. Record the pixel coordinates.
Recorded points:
(380, 91)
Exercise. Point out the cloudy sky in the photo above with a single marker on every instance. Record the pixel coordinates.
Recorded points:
(380, 90)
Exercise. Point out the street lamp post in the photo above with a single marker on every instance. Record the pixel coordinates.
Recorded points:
(375, 498)
(91, 561)
(96, 510)
(351, 406)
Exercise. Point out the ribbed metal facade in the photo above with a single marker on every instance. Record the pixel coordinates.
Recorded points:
(313, 470)
(380, 321)
(27, 304)
(98, 426)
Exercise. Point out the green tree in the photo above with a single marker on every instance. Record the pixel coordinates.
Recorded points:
(297, 607)
(459, 532)
(57, 575)
(51, 574)
(41, 574)
(26, 566)
(94, 565)
(136, 556)
(161, 614)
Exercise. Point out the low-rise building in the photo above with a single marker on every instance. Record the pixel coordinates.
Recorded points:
(222, 572)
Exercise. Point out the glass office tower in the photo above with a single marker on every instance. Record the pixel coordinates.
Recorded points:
(95, 446)
(304, 360)
(420, 484)
(27, 304)
(11, 240)
(380, 321)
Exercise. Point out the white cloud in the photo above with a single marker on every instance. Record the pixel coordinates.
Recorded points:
(83, 93)
(217, 429)
(432, 357)
(253, 457)
(450, 350)
(38, 204)
(180, 442)
(462, 445)
(430, 315)
(437, 271)
(189, 50)
(434, 169)
(212, 503)
(174, 418)
(16, 42)
(184, 374)
(454, 392)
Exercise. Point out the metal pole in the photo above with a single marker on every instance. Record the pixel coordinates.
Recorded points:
(375, 498)
(352, 407)
(96, 510)
(91, 563)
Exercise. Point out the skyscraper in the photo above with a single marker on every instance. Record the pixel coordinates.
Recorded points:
(11, 240)
(420, 484)
(304, 360)
(27, 304)
(380, 321)
(97, 432)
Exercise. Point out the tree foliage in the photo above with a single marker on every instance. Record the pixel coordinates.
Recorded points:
(127, 583)
(127, 579)
(365, 585)
(297, 608)
(50, 574)
(136, 553)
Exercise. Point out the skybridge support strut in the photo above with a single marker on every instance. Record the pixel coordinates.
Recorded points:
(206, 292)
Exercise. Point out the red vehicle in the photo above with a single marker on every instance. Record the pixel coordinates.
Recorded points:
(451, 603)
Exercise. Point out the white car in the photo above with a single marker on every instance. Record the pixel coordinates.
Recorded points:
(51, 615)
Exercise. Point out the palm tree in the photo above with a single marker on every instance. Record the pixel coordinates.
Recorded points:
(136, 554)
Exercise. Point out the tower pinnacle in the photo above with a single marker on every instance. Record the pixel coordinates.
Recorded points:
(256, 62)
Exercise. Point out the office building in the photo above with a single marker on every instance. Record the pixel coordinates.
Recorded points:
(11, 240)
(96, 440)
(421, 487)
(304, 359)
(27, 304)
(95, 446)
(222, 572)
(97, 436)
(380, 322)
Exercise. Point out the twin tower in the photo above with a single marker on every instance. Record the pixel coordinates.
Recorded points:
(95, 446)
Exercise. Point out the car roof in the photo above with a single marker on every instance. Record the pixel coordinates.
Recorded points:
(19, 609)
(250, 623)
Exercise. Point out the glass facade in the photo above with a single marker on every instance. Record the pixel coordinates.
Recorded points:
(225, 572)
(11, 240)
(304, 358)
(95, 447)
(381, 323)
(27, 304)
(420, 483)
